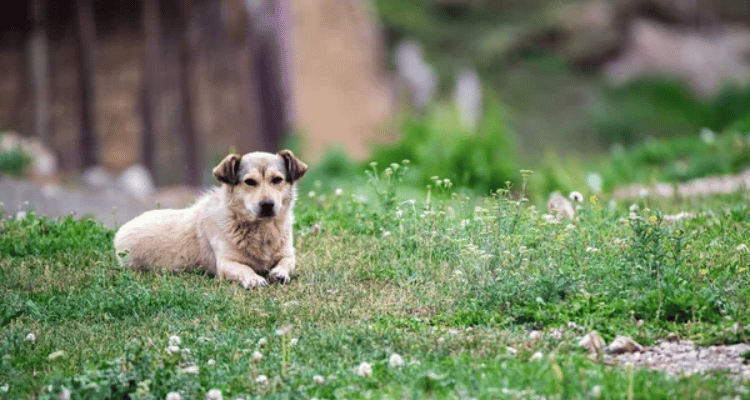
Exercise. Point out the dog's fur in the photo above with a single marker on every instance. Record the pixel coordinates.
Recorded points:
(236, 231)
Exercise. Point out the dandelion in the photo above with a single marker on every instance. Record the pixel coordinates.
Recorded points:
(741, 270)
(214, 394)
(5, 388)
(256, 357)
(592, 199)
(318, 379)
(339, 192)
(175, 340)
(172, 349)
(283, 330)
(395, 361)
(31, 337)
(576, 196)
(311, 194)
(534, 335)
(64, 394)
(652, 218)
(364, 370)
(261, 380)
(704, 271)
(173, 396)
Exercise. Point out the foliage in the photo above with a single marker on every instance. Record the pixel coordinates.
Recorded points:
(436, 144)
(447, 280)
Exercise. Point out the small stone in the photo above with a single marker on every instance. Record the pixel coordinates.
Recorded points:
(592, 342)
(624, 344)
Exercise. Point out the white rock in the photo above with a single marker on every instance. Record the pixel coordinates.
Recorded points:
(137, 181)
(98, 177)
(592, 342)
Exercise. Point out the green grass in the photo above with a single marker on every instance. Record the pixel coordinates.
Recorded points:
(446, 281)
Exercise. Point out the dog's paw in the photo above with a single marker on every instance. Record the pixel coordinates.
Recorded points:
(252, 280)
(279, 275)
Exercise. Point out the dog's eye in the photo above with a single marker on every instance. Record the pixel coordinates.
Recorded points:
(250, 182)
(277, 180)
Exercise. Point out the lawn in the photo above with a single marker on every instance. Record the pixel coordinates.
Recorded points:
(451, 282)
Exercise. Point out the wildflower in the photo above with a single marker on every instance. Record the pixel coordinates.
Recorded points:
(293, 342)
(173, 396)
(537, 356)
(256, 357)
(283, 330)
(395, 361)
(596, 392)
(704, 271)
(190, 369)
(652, 218)
(214, 394)
(175, 340)
(319, 380)
(56, 354)
(592, 199)
(742, 247)
(172, 349)
(211, 362)
(594, 182)
(64, 394)
(364, 370)
(458, 272)
(339, 192)
(591, 249)
(261, 380)
(374, 164)
(534, 335)
(386, 234)
(31, 337)
(576, 196)
(262, 341)
(311, 194)
(5, 388)
(708, 136)
(741, 270)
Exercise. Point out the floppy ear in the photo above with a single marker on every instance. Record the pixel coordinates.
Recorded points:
(295, 168)
(227, 170)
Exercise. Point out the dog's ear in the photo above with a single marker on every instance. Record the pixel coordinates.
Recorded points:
(295, 168)
(228, 170)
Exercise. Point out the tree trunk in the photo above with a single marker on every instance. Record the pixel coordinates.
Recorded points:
(88, 140)
(151, 87)
(191, 153)
(39, 66)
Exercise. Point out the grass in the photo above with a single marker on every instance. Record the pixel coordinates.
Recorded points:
(447, 281)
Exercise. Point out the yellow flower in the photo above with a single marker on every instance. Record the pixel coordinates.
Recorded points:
(704, 271)
(592, 199)
(652, 218)
(741, 270)
(688, 247)
(559, 237)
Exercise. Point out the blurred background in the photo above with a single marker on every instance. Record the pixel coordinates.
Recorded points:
(123, 102)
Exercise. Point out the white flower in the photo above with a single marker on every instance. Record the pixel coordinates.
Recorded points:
(339, 192)
(5, 388)
(364, 370)
(319, 380)
(190, 369)
(576, 196)
(175, 340)
(708, 136)
(458, 272)
(31, 337)
(211, 362)
(261, 380)
(283, 330)
(262, 341)
(173, 396)
(64, 394)
(537, 356)
(386, 234)
(256, 357)
(395, 361)
(214, 394)
(590, 249)
(293, 342)
(534, 335)
(311, 194)
(596, 392)
(172, 349)
(741, 247)
(594, 182)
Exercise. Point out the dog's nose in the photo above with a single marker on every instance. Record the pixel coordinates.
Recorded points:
(266, 208)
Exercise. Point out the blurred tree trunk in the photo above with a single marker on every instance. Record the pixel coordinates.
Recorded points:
(88, 140)
(151, 87)
(191, 147)
(39, 65)
(269, 66)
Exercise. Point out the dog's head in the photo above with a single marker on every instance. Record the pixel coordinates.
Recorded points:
(262, 182)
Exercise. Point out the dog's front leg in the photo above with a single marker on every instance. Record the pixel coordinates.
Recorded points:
(285, 266)
(243, 274)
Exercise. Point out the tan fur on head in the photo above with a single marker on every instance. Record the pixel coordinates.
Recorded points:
(236, 232)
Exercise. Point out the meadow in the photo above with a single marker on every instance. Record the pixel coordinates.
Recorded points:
(393, 298)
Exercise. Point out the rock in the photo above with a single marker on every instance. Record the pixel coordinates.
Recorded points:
(623, 344)
(137, 182)
(592, 342)
(97, 177)
(560, 207)
(468, 99)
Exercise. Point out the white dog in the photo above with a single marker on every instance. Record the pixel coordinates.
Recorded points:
(236, 231)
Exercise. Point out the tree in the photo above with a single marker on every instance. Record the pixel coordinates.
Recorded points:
(39, 64)
(192, 149)
(88, 140)
(151, 88)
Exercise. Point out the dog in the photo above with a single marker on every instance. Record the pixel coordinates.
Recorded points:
(238, 231)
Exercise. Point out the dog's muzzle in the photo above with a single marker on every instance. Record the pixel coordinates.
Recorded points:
(266, 208)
